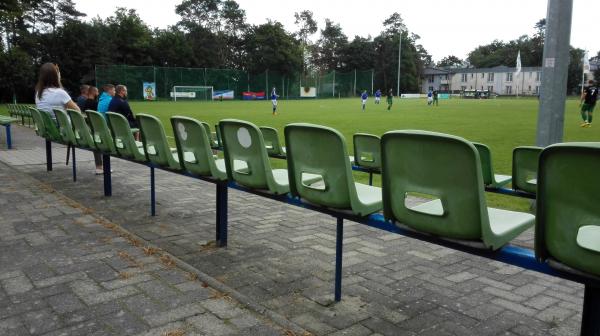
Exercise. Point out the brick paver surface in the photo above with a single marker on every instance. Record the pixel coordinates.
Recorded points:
(282, 257)
(67, 271)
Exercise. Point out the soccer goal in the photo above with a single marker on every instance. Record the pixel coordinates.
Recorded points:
(192, 93)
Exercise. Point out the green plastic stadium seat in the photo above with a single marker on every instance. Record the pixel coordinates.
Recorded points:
(324, 176)
(218, 136)
(247, 160)
(272, 144)
(125, 143)
(446, 169)
(155, 143)
(83, 135)
(38, 122)
(568, 215)
(65, 127)
(194, 148)
(524, 168)
(367, 151)
(52, 132)
(489, 178)
(213, 141)
(101, 133)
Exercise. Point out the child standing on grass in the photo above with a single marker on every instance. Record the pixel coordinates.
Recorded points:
(363, 98)
(390, 99)
(377, 96)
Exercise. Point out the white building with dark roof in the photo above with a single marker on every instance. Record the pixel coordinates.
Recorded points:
(500, 80)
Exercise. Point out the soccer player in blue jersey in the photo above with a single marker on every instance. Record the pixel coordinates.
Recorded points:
(364, 97)
(274, 96)
(377, 96)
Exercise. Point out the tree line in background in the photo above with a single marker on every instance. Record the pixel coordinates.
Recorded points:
(215, 34)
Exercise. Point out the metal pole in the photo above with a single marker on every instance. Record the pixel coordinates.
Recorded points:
(372, 75)
(583, 73)
(333, 90)
(152, 192)
(267, 82)
(399, 61)
(554, 72)
(339, 239)
(48, 155)
(354, 82)
(107, 175)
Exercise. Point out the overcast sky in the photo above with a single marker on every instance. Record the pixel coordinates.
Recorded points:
(446, 27)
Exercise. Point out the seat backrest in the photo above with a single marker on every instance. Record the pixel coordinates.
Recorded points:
(245, 154)
(367, 150)
(524, 168)
(319, 150)
(83, 135)
(213, 142)
(65, 127)
(155, 142)
(101, 133)
(271, 137)
(442, 167)
(38, 122)
(485, 157)
(52, 132)
(193, 146)
(125, 144)
(567, 200)
(218, 135)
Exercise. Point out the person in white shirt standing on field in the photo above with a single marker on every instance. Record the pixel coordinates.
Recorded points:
(49, 92)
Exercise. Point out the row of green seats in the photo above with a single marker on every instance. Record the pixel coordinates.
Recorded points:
(367, 155)
(20, 111)
(442, 168)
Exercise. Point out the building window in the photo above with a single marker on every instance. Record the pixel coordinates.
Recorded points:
(508, 89)
(482, 75)
(463, 88)
(529, 88)
(491, 88)
(463, 78)
(490, 77)
(537, 90)
(472, 76)
(430, 79)
(538, 76)
(509, 76)
(471, 87)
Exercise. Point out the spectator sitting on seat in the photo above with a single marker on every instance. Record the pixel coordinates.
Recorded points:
(108, 92)
(83, 89)
(120, 105)
(91, 101)
(49, 92)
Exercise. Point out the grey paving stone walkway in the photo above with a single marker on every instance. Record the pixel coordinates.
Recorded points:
(67, 271)
(282, 258)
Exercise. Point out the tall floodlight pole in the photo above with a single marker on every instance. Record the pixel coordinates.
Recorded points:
(555, 65)
(399, 57)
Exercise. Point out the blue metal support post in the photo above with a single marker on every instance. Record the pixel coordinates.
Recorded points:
(590, 319)
(48, 155)
(221, 234)
(74, 164)
(8, 137)
(107, 175)
(152, 192)
(339, 243)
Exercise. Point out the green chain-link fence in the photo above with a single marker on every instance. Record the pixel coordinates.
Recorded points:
(330, 85)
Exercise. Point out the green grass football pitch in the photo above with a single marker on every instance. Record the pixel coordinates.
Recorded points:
(502, 124)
